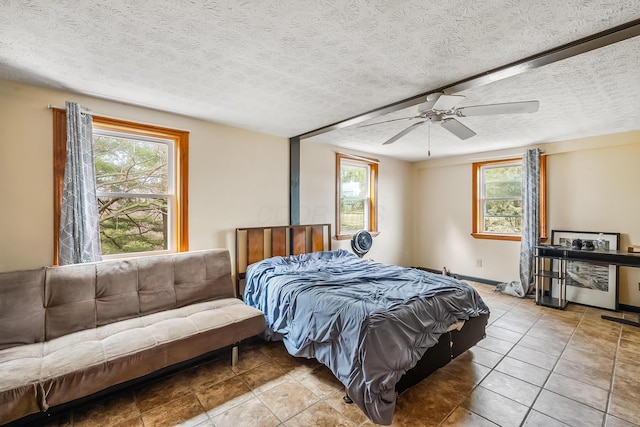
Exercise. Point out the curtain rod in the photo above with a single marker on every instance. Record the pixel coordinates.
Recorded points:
(504, 156)
(55, 107)
(93, 113)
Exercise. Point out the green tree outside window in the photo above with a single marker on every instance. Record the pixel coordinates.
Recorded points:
(132, 178)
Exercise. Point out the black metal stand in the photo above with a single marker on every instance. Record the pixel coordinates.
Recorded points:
(618, 258)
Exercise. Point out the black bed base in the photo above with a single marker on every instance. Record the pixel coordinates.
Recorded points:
(450, 345)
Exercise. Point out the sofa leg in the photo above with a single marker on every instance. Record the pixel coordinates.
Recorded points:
(346, 397)
(234, 355)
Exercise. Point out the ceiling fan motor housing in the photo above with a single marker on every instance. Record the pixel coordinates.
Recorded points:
(441, 108)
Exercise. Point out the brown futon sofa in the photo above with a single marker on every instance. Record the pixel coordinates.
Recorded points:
(68, 332)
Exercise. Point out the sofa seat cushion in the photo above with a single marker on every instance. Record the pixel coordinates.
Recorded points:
(84, 362)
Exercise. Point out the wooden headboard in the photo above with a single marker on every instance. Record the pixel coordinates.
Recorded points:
(254, 244)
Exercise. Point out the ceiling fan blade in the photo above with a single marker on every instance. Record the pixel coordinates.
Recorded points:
(403, 133)
(387, 121)
(447, 102)
(506, 108)
(457, 128)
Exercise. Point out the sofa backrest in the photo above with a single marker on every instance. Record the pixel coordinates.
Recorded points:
(21, 307)
(42, 304)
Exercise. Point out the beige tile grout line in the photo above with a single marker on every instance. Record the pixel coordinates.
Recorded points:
(504, 356)
(492, 369)
(551, 371)
(613, 375)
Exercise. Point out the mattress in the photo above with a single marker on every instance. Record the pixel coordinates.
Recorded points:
(368, 322)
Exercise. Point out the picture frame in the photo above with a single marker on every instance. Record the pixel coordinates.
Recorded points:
(590, 283)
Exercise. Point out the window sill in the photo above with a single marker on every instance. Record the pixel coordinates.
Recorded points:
(495, 236)
(349, 236)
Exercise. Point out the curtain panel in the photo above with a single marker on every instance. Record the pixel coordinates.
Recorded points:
(530, 216)
(530, 225)
(79, 218)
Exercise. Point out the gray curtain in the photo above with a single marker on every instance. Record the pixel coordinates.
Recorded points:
(530, 225)
(79, 219)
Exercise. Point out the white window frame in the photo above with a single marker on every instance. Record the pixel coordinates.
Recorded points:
(484, 198)
(180, 139)
(477, 201)
(370, 205)
(170, 195)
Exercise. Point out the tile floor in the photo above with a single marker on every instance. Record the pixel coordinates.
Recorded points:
(536, 367)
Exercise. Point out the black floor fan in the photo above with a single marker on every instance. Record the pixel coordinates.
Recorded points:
(361, 242)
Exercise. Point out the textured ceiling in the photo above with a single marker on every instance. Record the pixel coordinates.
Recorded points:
(287, 67)
(596, 93)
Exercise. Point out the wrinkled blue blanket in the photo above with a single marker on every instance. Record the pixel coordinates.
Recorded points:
(368, 322)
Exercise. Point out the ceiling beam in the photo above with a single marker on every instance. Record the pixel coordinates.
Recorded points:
(586, 44)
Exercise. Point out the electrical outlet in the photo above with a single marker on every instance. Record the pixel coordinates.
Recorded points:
(479, 264)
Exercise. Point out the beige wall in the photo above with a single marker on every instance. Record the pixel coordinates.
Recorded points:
(237, 177)
(592, 186)
(240, 178)
(317, 201)
(444, 226)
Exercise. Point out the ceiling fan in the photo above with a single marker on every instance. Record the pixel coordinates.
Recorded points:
(441, 108)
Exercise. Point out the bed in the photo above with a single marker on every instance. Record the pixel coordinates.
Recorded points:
(379, 328)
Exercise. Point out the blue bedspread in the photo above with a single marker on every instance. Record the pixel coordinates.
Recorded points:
(368, 322)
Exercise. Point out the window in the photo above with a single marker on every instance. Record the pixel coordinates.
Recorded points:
(356, 195)
(135, 192)
(497, 199)
(141, 181)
